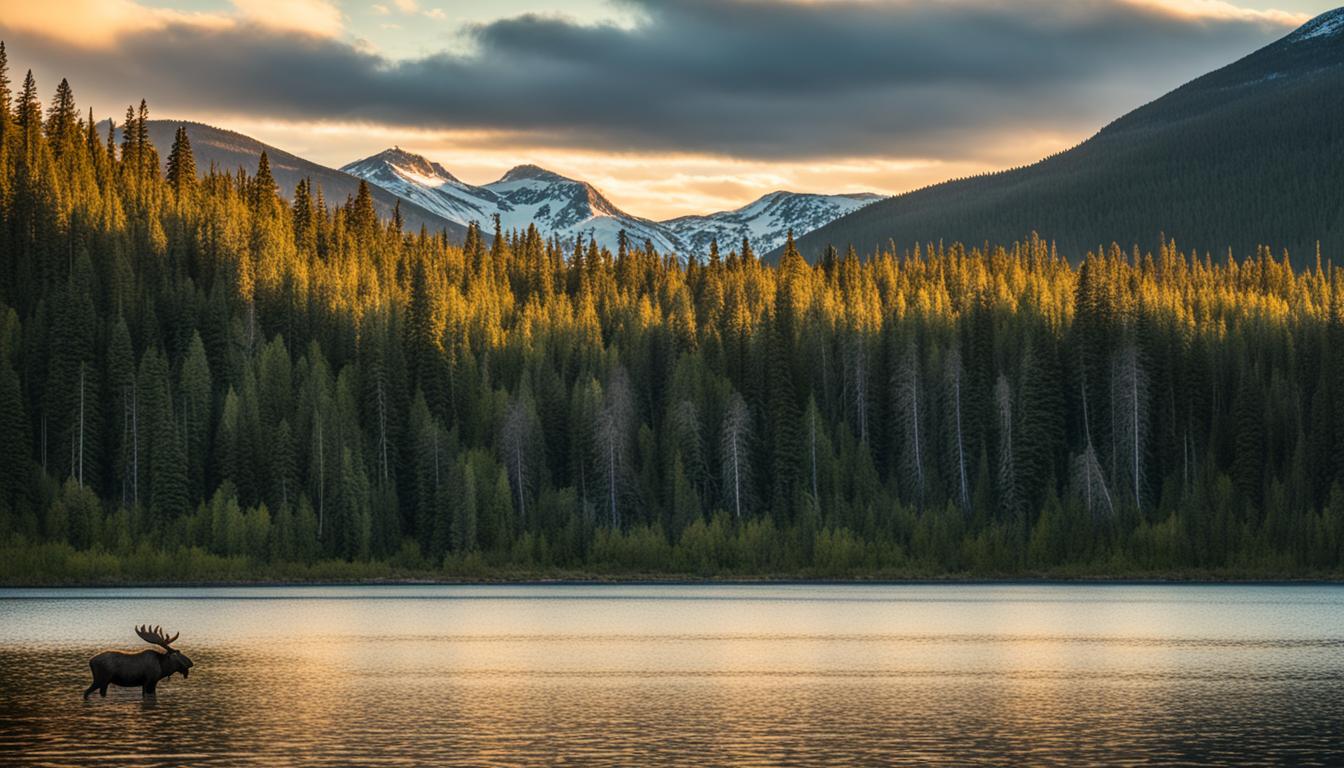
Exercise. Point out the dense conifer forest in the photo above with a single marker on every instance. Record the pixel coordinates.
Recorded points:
(202, 380)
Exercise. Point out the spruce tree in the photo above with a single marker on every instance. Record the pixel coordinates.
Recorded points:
(181, 171)
(28, 112)
(195, 414)
(263, 185)
(62, 120)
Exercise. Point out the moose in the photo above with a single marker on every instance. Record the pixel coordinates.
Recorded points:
(144, 668)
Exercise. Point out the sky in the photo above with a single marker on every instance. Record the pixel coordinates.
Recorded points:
(670, 107)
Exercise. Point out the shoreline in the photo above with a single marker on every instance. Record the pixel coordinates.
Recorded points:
(683, 580)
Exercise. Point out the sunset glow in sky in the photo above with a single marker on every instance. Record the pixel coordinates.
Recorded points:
(669, 106)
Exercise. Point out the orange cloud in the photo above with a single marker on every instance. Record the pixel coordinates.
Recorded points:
(99, 23)
(1221, 10)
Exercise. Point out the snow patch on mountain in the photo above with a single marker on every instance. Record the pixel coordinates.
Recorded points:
(765, 222)
(1327, 24)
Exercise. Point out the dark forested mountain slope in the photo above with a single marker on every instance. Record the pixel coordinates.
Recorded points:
(1250, 154)
(229, 151)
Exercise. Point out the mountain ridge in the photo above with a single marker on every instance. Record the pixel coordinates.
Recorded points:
(1251, 153)
(568, 207)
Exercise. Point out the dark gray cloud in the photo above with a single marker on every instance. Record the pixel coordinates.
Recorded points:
(748, 78)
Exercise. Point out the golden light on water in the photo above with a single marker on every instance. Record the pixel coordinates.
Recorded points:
(749, 675)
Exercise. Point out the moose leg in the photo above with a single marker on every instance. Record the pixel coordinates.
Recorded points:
(91, 689)
(148, 689)
(103, 691)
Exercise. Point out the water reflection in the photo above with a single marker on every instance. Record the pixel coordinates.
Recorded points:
(758, 675)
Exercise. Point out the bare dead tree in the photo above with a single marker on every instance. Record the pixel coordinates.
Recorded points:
(908, 397)
(1131, 404)
(519, 444)
(1088, 478)
(954, 373)
(612, 441)
(856, 354)
(735, 437)
(1003, 399)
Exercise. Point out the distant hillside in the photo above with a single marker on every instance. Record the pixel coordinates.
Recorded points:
(1252, 153)
(230, 150)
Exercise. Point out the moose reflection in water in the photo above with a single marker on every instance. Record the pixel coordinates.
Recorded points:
(144, 668)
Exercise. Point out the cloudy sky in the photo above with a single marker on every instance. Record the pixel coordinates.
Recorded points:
(669, 106)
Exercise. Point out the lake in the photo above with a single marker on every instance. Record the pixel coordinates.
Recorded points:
(646, 675)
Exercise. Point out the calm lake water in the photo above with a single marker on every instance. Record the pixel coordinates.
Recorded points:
(652, 675)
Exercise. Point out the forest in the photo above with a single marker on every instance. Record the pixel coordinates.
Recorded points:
(202, 379)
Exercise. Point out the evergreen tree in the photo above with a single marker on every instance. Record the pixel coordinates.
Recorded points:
(181, 171)
(195, 414)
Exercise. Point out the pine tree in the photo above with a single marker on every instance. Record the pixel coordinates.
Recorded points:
(124, 413)
(62, 120)
(422, 337)
(304, 216)
(130, 150)
(363, 218)
(181, 171)
(195, 414)
(785, 417)
(168, 499)
(263, 188)
(283, 467)
(1041, 421)
(28, 112)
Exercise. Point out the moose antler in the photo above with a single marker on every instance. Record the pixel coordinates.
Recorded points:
(155, 635)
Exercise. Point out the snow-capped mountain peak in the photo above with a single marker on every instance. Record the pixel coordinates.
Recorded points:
(524, 196)
(766, 221)
(405, 163)
(414, 178)
(530, 172)
(568, 208)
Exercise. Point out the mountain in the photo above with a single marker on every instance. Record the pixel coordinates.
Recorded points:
(229, 151)
(1250, 154)
(765, 222)
(525, 195)
(568, 208)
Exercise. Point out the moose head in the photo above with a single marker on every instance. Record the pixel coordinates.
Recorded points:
(173, 659)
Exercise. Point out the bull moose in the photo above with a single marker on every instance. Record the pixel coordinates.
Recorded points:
(144, 668)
